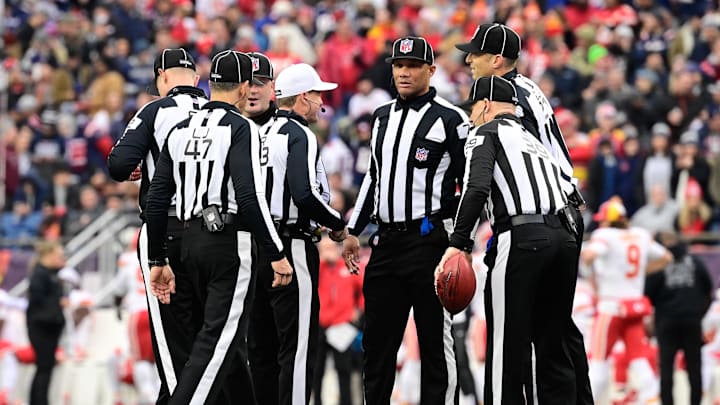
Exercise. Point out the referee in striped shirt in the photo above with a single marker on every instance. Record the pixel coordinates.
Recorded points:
(416, 166)
(533, 256)
(211, 162)
(284, 322)
(494, 50)
(134, 157)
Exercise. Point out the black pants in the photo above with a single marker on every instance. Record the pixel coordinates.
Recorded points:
(465, 376)
(343, 362)
(284, 327)
(674, 335)
(574, 338)
(528, 299)
(172, 328)
(400, 276)
(219, 267)
(44, 341)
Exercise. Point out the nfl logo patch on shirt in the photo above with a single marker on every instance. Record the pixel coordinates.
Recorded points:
(421, 154)
(406, 45)
(255, 64)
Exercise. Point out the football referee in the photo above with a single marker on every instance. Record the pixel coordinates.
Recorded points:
(494, 50)
(134, 157)
(533, 256)
(416, 165)
(284, 322)
(211, 162)
(260, 107)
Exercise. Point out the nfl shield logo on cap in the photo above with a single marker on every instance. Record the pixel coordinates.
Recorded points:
(255, 64)
(406, 45)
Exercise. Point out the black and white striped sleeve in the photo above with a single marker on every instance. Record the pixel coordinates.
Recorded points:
(134, 144)
(246, 173)
(477, 182)
(302, 179)
(365, 203)
(162, 189)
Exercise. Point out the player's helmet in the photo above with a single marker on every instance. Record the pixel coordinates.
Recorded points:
(611, 211)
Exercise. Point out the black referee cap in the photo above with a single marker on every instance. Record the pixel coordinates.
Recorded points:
(167, 59)
(232, 67)
(496, 39)
(493, 88)
(261, 65)
(416, 48)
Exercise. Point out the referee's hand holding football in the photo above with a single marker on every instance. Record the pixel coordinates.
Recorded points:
(283, 272)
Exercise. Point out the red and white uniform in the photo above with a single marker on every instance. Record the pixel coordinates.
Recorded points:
(583, 311)
(619, 271)
(135, 302)
(711, 350)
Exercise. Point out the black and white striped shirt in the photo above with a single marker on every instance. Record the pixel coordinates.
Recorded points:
(297, 188)
(416, 162)
(212, 158)
(508, 173)
(146, 132)
(538, 117)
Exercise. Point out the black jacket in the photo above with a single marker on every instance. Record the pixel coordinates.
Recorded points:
(44, 298)
(680, 292)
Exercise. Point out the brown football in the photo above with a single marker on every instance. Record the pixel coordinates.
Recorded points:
(455, 285)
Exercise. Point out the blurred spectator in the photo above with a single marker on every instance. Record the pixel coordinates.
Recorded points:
(341, 310)
(282, 12)
(338, 159)
(21, 222)
(9, 135)
(603, 175)
(367, 98)
(660, 212)
(646, 104)
(606, 117)
(45, 319)
(694, 214)
(579, 57)
(567, 80)
(578, 144)
(90, 209)
(689, 165)
(361, 147)
(63, 194)
(106, 81)
(281, 54)
(650, 38)
(630, 172)
(681, 294)
(344, 57)
(657, 167)
(709, 33)
(689, 98)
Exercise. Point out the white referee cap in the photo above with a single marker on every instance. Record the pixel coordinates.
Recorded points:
(300, 78)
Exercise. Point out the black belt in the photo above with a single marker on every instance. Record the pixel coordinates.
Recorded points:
(409, 226)
(524, 219)
(293, 231)
(228, 219)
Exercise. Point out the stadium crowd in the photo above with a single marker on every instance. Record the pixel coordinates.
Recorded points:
(635, 86)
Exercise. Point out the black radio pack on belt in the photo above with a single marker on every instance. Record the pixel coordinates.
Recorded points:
(213, 220)
(566, 215)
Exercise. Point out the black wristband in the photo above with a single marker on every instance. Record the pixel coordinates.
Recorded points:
(157, 262)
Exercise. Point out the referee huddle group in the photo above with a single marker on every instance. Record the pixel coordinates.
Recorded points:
(234, 195)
